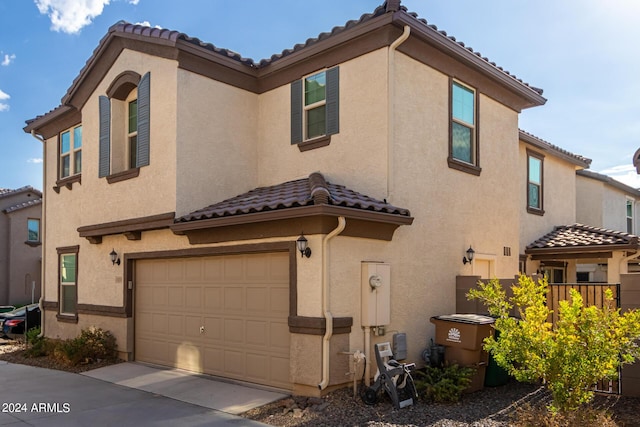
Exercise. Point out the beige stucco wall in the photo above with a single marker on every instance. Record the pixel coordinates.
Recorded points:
(24, 260)
(217, 135)
(356, 156)
(589, 199)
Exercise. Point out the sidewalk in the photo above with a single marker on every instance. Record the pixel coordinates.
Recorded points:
(44, 397)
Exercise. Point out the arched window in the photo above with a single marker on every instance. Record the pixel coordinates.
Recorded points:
(124, 124)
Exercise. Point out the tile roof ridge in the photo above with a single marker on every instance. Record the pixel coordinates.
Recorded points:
(318, 189)
(554, 147)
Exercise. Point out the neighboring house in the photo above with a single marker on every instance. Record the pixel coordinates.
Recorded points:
(20, 245)
(180, 176)
(606, 203)
(601, 244)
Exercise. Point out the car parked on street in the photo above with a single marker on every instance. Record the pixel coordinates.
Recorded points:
(12, 323)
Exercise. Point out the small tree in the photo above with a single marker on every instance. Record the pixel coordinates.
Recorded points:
(586, 344)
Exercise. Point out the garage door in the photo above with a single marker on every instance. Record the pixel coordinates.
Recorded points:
(220, 315)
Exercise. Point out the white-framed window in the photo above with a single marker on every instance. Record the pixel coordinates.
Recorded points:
(535, 189)
(630, 208)
(315, 106)
(70, 154)
(132, 133)
(463, 123)
(68, 277)
(33, 230)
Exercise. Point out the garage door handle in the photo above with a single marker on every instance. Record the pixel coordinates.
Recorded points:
(202, 329)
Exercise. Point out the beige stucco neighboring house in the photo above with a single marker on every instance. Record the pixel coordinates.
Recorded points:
(180, 177)
(20, 245)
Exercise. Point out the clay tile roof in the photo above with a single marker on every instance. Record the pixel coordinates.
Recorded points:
(311, 191)
(577, 236)
(24, 205)
(7, 192)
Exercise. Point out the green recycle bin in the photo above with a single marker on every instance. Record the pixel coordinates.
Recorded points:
(495, 375)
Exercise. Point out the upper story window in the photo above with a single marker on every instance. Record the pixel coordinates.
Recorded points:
(315, 108)
(463, 138)
(124, 127)
(70, 154)
(33, 230)
(629, 216)
(535, 183)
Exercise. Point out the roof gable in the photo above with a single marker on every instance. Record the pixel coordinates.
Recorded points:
(209, 60)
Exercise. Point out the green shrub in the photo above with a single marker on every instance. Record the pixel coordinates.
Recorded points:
(37, 346)
(443, 385)
(586, 344)
(92, 345)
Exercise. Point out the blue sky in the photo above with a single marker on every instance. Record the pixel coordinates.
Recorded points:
(583, 53)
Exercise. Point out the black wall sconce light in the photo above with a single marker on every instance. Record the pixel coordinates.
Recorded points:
(115, 259)
(303, 246)
(469, 257)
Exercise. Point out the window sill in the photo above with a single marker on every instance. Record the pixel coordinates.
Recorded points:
(67, 318)
(464, 167)
(123, 176)
(67, 182)
(535, 211)
(32, 244)
(312, 144)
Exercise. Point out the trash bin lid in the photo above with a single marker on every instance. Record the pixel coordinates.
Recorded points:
(476, 319)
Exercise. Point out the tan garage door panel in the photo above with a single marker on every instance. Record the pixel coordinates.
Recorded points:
(222, 315)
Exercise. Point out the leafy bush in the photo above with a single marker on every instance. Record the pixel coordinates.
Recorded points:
(444, 384)
(587, 344)
(37, 346)
(92, 345)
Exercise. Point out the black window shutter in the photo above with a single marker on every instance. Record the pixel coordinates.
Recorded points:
(143, 120)
(296, 112)
(333, 101)
(104, 111)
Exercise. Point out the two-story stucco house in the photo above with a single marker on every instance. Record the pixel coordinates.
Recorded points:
(20, 245)
(180, 177)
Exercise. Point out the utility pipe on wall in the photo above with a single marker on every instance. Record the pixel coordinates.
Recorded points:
(342, 222)
(43, 223)
(391, 94)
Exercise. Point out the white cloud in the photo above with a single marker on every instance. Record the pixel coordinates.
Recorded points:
(626, 174)
(70, 16)
(7, 59)
(3, 97)
(34, 160)
(134, 2)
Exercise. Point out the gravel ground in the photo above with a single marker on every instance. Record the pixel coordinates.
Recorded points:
(491, 407)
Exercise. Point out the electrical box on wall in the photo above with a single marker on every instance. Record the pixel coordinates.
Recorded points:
(376, 294)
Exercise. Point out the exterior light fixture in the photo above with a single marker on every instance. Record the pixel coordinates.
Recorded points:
(302, 245)
(469, 257)
(115, 259)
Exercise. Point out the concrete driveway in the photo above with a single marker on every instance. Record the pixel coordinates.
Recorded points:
(128, 394)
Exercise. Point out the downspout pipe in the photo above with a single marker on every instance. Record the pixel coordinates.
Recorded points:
(391, 96)
(342, 222)
(43, 227)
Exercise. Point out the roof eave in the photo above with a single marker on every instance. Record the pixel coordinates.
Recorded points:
(359, 223)
(467, 56)
(542, 145)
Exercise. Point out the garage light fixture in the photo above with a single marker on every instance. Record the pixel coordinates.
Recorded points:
(115, 259)
(302, 245)
(469, 257)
